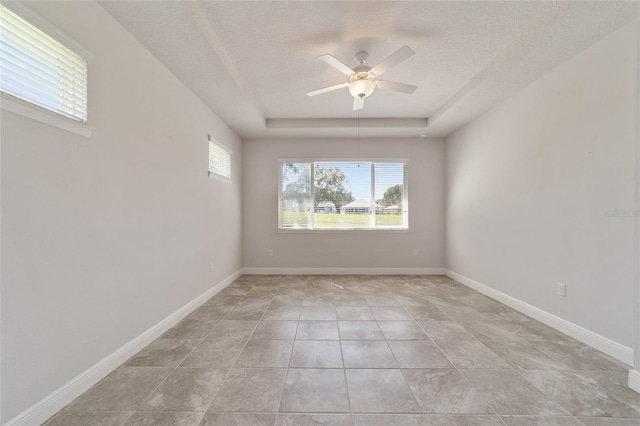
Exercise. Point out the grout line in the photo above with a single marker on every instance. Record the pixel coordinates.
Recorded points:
(511, 367)
(575, 372)
(346, 383)
(180, 363)
(286, 375)
(344, 368)
(126, 419)
(458, 370)
(213, 398)
(402, 372)
(405, 378)
(330, 294)
(168, 375)
(444, 354)
(572, 372)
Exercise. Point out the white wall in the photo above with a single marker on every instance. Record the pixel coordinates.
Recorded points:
(343, 250)
(528, 184)
(104, 237)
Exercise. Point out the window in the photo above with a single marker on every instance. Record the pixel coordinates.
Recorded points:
(39, 69)
(219, 161)
(342, 195)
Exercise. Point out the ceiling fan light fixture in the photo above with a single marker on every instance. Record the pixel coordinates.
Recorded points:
(363, 79)
(361, 87)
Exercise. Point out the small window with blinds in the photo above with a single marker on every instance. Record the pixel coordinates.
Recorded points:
(219, 161)
(37, 68)
(343, 195)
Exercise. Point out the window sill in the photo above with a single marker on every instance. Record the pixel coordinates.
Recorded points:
(343, 231)
(27, 109)
(220, 178)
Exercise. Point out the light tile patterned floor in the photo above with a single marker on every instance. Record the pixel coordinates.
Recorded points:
(359, 351)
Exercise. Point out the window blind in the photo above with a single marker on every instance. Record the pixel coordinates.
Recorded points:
(38, 69)
(219, 159)
(342, 195)
(390, 195)
(295, 195)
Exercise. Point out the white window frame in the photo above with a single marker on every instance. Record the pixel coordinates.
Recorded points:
(217, 176)
(312, 230)
(28, 109)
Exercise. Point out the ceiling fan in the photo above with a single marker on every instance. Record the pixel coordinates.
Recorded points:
(363, 79)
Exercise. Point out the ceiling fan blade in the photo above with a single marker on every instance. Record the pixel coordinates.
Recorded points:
(405, 52)
(358, 103)
(398, 87)
(336, 64)
(327, 89)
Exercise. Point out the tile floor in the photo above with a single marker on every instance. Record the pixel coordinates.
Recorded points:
(359, 350)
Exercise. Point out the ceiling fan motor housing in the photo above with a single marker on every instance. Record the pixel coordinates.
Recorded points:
(361, 57)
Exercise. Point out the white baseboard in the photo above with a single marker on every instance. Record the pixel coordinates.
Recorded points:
(608, 346)
(343, 271)
(634, 380)
(54, 402)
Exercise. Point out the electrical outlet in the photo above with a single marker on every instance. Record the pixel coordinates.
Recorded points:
(211, 267)
(562, 290)
(415, 252)
(270, 251)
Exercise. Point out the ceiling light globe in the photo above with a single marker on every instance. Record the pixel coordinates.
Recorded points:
(361, 88)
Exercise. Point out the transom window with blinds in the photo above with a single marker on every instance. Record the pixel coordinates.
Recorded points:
(219, 161)
(39, 69)
(343, 195)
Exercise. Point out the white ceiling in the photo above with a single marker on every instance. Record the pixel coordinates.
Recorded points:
(253, 61)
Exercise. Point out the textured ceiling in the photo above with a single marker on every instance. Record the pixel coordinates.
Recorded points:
(252, 62)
